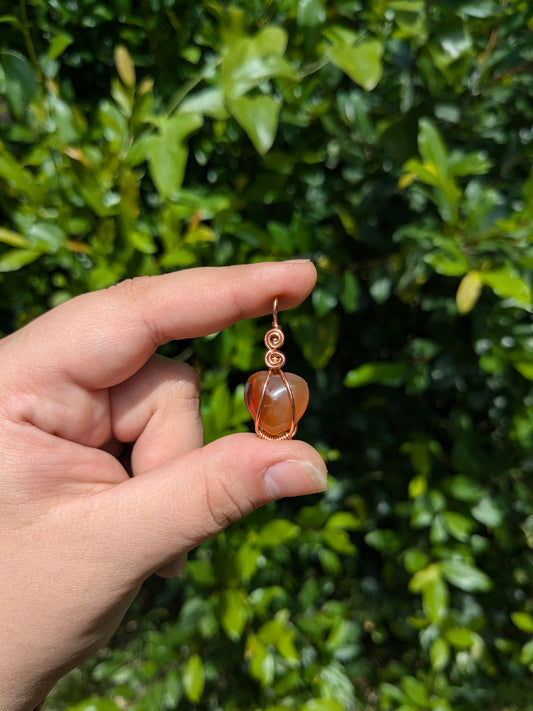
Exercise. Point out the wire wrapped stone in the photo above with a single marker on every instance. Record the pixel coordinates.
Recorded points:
(276, 400)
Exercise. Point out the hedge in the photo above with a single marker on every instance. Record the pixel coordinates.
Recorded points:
(391, 142)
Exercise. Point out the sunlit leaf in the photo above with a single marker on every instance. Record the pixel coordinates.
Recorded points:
(193, 678)
(468, 292)
(362, 62)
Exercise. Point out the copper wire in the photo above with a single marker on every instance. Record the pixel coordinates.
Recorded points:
(274, 361)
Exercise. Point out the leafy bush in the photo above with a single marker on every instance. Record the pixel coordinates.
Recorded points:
(391, 142)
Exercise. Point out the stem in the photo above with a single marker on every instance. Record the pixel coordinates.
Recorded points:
(29, 42)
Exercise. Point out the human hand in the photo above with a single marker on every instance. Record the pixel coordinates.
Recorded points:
(77, 535)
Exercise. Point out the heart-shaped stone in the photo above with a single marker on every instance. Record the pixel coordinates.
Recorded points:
(275, 418)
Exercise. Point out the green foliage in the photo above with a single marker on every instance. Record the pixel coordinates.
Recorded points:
(390, 142)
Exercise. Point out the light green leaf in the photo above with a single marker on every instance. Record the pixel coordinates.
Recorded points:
(59, 45)
(446, 264)
(523, 620)
(271, 40)
(465, 576)
(259, 117)
(13, 239)
(339, 540)
(432, 148)
(524, 367)
(468, 292)
(322, 705)
(277, 532)
(233, 613)
(95, 704)
(193, 678)
(488, 513)
(435, 600)
(124, 65)
(423, 578)
(439, 654)
(508, 285)
(416, 691)
(460, 637)
(249, 61)
(16, 258)
(458, 525)
(262, 662)
(169, 152)
(362, 63)
(390, 374)
(208, 102)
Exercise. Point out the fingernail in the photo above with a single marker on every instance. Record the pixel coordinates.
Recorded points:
(294, 478)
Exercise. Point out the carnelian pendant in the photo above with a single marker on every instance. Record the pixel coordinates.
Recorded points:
(276, 400)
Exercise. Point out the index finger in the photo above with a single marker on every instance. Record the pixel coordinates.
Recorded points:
(99, 339)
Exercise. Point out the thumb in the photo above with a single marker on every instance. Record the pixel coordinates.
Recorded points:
(151, 520)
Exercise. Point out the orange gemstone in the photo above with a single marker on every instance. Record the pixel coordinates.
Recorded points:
(276, 410)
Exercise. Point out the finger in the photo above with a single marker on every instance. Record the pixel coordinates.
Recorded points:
(159, 410)
(102, 338)
(184, 502)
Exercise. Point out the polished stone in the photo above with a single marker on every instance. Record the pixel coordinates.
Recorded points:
(276, 411)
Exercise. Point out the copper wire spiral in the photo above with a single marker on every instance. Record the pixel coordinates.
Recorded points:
(275, 361)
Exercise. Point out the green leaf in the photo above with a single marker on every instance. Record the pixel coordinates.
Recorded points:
(208, 102)
(338, 540)
(13, 239)
(460, 637)
(258, 116)
(390, 374)
(124, 65)
(168, 151)
(439, 654)
(16, 258)
(424, 577)
(435, 600)
(249, 61)
(261, 661)
(523, 620)
(524, 367)
(193, 678)
(350, 292)
(362, 63)
(432, 148)
(458, 525)
(508, 285)
(233, 613)
(322, 705)
(415, 691)
(21, 85)
(488, 513)
(465, 576)
(384, 540)
(446, 264)
(58, 45)
(317, 337)
(95, 704)
(468, 292)
(277, 532)
(310, 13)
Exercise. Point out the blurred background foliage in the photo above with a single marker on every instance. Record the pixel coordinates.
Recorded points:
(390, 141)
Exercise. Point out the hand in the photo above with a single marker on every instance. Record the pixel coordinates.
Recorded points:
(78, 535)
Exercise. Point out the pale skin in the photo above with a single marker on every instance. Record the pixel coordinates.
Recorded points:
(78, 535)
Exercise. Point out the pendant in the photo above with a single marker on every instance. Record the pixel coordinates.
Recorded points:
(276, 400)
